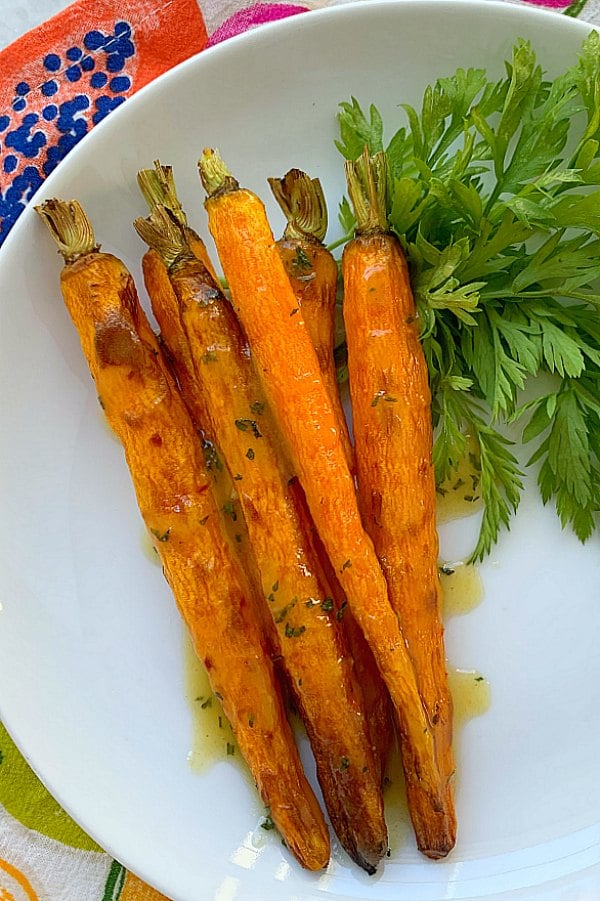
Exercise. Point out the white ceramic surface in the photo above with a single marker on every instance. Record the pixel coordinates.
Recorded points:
(91, 673)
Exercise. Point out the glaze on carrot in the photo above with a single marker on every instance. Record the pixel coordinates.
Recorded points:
(391, 404)
(173, 489)
(313, 275)
(158, 187)
(311, 637)
(289, 368)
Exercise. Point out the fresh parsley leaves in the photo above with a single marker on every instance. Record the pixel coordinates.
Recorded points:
(494, 199)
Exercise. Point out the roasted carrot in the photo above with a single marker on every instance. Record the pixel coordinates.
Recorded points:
(158, 186)
(391, 405)
(313, 275)
(264, 300)
(311, 639)
(173, 490)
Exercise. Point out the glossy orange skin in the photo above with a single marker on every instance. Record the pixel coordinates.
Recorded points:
(391, 403)
(315, 656)
(289, 368)
(173, 490)
(378, 710)
(176, 349)
(313, 275)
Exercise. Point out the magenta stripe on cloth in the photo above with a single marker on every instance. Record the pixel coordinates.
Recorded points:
(258, 14)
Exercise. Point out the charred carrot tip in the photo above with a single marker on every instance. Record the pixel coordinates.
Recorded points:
(69, 226)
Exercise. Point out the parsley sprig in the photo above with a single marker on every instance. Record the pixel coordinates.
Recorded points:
(494, 200)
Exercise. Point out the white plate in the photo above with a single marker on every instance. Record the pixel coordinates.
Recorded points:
(91, 673)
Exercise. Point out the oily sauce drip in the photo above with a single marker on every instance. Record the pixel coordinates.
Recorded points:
(462, 588)
(212, 736)
(460, 494)
(471, 696)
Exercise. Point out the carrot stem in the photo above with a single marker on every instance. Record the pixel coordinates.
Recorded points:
(367, 179)
(70, 228)
(303, 203)
(158, 188)
(214, 174)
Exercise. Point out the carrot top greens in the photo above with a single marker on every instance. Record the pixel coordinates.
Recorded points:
(492, 193)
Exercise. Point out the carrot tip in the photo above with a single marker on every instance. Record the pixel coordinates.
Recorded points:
(367, 179)
(303, 203)
(163, 233)
(158, 188)
(214, 174)
(69, 226)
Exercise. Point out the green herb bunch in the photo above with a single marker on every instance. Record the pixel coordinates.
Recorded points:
(493, 198)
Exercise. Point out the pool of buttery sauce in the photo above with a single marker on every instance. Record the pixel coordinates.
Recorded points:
(212, 736)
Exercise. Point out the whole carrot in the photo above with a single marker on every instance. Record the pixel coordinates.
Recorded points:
(289, 369)
(391, 404)
(158, 187)
(311, 638)
(145, 410)
(313, 275)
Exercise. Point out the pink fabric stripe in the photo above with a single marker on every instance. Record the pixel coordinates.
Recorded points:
(257, 14)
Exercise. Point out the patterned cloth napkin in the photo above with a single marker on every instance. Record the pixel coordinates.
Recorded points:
(56, 83)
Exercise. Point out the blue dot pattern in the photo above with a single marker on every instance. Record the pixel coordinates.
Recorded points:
(36, 133)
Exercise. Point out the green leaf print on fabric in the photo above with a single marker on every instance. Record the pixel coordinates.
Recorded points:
(115, 882)
(26, 799)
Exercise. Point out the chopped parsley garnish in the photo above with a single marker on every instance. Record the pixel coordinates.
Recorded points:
(229, 510)
(301, 260)
(340, 614)
(248, 425)
(161, 536)
(285, 610)
(290, 632)
(211, 457)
